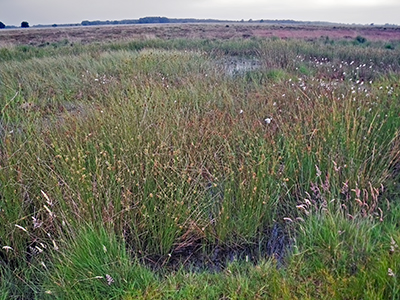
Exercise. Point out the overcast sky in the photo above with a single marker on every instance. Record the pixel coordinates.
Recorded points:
(13, 12)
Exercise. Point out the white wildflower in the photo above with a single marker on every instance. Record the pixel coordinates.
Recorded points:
(391, 273)
(393, 245)
(318, 171)
(7, 248)
(36, 223)
(110, 280)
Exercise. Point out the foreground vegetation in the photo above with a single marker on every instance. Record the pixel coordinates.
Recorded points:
(200, 169)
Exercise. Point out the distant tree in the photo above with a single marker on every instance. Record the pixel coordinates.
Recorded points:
(148, 20)
(24, 24)
(2, 25)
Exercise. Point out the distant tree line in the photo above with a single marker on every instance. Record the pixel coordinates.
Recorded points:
(24, 24)
(147, 20)
(165, 20)
(150, 20)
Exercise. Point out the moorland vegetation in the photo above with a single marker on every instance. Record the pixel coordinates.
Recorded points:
(200, 169)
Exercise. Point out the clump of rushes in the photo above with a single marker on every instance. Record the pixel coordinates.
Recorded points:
(162, 153)
(95, 264)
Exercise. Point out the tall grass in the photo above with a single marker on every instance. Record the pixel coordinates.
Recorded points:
(153, 152)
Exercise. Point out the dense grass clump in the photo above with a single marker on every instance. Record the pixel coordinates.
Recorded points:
(161, 169)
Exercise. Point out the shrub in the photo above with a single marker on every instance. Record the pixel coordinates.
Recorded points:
(24, 24)
(389, 46)
(360, 39)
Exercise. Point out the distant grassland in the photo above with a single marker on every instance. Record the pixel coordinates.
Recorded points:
(200, 168)
(230, 30)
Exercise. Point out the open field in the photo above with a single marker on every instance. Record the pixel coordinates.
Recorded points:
(41, 36)
(199, 162)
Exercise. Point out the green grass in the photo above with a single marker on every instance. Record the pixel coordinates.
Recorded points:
(95, 264)
(146, 170)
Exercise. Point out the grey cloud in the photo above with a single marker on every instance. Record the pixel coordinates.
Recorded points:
(75, 11)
